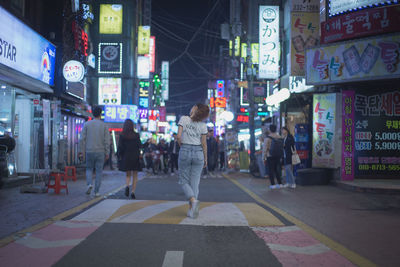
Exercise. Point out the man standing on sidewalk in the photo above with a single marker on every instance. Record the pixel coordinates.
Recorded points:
(95, 142)
(274, 154)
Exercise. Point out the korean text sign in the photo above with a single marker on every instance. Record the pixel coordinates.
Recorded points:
(304, 34)
(374, 58)
(110, 19)
(269, 48)
(324, 125)
(36, 60)
(109, 91)
(377, 133)
(119, 113)
(348, 127)
(143, 40)
(340, 6)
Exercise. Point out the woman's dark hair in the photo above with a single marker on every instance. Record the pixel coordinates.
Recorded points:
(127, 130)
(97, 111)
(201, 112)
(285, 128)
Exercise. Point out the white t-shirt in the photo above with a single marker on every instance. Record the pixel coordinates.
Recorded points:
(192, 130)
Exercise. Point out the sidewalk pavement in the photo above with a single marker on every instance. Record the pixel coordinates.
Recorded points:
(21, 210)
(377, 186)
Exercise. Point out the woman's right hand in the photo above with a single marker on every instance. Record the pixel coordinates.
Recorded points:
(205, 163)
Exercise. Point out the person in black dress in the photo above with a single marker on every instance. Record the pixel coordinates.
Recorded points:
(128, 155)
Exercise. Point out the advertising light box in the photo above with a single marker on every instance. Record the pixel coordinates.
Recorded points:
(110, 58)
(143, 67)
(110, 19)
(143, 40)
(109, 91)
(36, 60)
(119, 113)
(340, 6)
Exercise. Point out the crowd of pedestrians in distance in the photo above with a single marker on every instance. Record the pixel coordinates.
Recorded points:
(193, 150)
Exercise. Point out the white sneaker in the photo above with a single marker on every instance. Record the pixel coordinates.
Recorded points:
(97, 194)
(280, 186)
(195, 208)
(89, 189)
(190, 213)
(272, 187)
(293, 186)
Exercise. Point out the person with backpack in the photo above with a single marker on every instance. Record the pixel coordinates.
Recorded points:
(274, 154)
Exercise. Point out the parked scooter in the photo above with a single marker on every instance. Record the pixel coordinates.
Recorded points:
(7, 145)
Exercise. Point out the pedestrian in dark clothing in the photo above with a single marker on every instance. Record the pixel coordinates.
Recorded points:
(174, 152)
(128, 155)
(274, 154)
(212, 151)
(221, 151)
(288, 149)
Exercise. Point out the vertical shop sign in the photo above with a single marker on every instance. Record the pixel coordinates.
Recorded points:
(110, 19)
(254, 53)
(109, 91)
(143, 67)
(143, 40)
(304, 34)
(152, 53)
(144, 94)
(377, 134)
(220, 88)
(269, 42)
(348, 124)
(324, 122)
(165, 79)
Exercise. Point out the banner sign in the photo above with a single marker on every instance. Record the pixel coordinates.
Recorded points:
(348, 125)
(324, 122)
(255, 53)
(165, 79)
(374, 58)
(340, 6)
(218, 102)
(109, 91)
(110, 58)
(110, 19)
(144, 94)
(119, 113)
(377, 133)
(304, 34)
(360, 24)
(143, 40)
(152, 54)
(305, 6)
(143, 67)
(24, 50)
(269, 48)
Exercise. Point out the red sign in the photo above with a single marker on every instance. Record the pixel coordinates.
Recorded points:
(152, 53)
(359, 24)
(81, 39)
(36, 101)
(242, 118)
(218, 102)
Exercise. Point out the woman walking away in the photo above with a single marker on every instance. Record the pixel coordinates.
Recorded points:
(128, 155)
(192, 134)
(288, 149)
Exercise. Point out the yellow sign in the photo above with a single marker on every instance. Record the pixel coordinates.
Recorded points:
(244, 50)
(110, 19)
(237, 46)
(143, 40)
(243, 84)
(254, 53)
(230, 47)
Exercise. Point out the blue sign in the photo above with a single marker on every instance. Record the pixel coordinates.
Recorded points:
(24, 50)
(119, 113)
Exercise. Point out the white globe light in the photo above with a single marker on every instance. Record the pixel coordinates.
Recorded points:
(228, 116)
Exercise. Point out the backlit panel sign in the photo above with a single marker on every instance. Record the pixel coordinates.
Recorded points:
(110, 19)
(73, 71)
(218, 102)
(144, 94)
(109, 91)
(81, 39)
(254, 53)
(154, 115)
(340, 6)
(152, 54)
(143, 67)
(220, 88)
(269, 42)
(165, 79)
(143, 40)
(36, 60)
(119, 113)
(110, 58)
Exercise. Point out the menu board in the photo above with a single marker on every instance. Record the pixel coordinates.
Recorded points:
(377, 134)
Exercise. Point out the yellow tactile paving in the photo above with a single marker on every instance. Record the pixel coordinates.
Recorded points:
(258, 216)
(132, 207)
(175, 215)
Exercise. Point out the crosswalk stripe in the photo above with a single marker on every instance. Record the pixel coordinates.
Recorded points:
(34, 242)
(173, 259)
(258, 216)
(309, 250)
(132, 207)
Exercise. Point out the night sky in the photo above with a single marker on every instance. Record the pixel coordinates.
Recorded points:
(174, 22)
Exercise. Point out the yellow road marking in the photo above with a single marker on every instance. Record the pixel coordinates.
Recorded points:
(132, 207)
(175, 215)
(342, 250)
(258, 216)
(5, 241)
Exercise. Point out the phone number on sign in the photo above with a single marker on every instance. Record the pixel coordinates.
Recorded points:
(378, 167)
(367, 146)
(387, 136)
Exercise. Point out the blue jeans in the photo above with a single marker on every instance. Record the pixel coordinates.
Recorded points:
(94, 160)
(191, 163)
(261, 165)
(289, 174)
